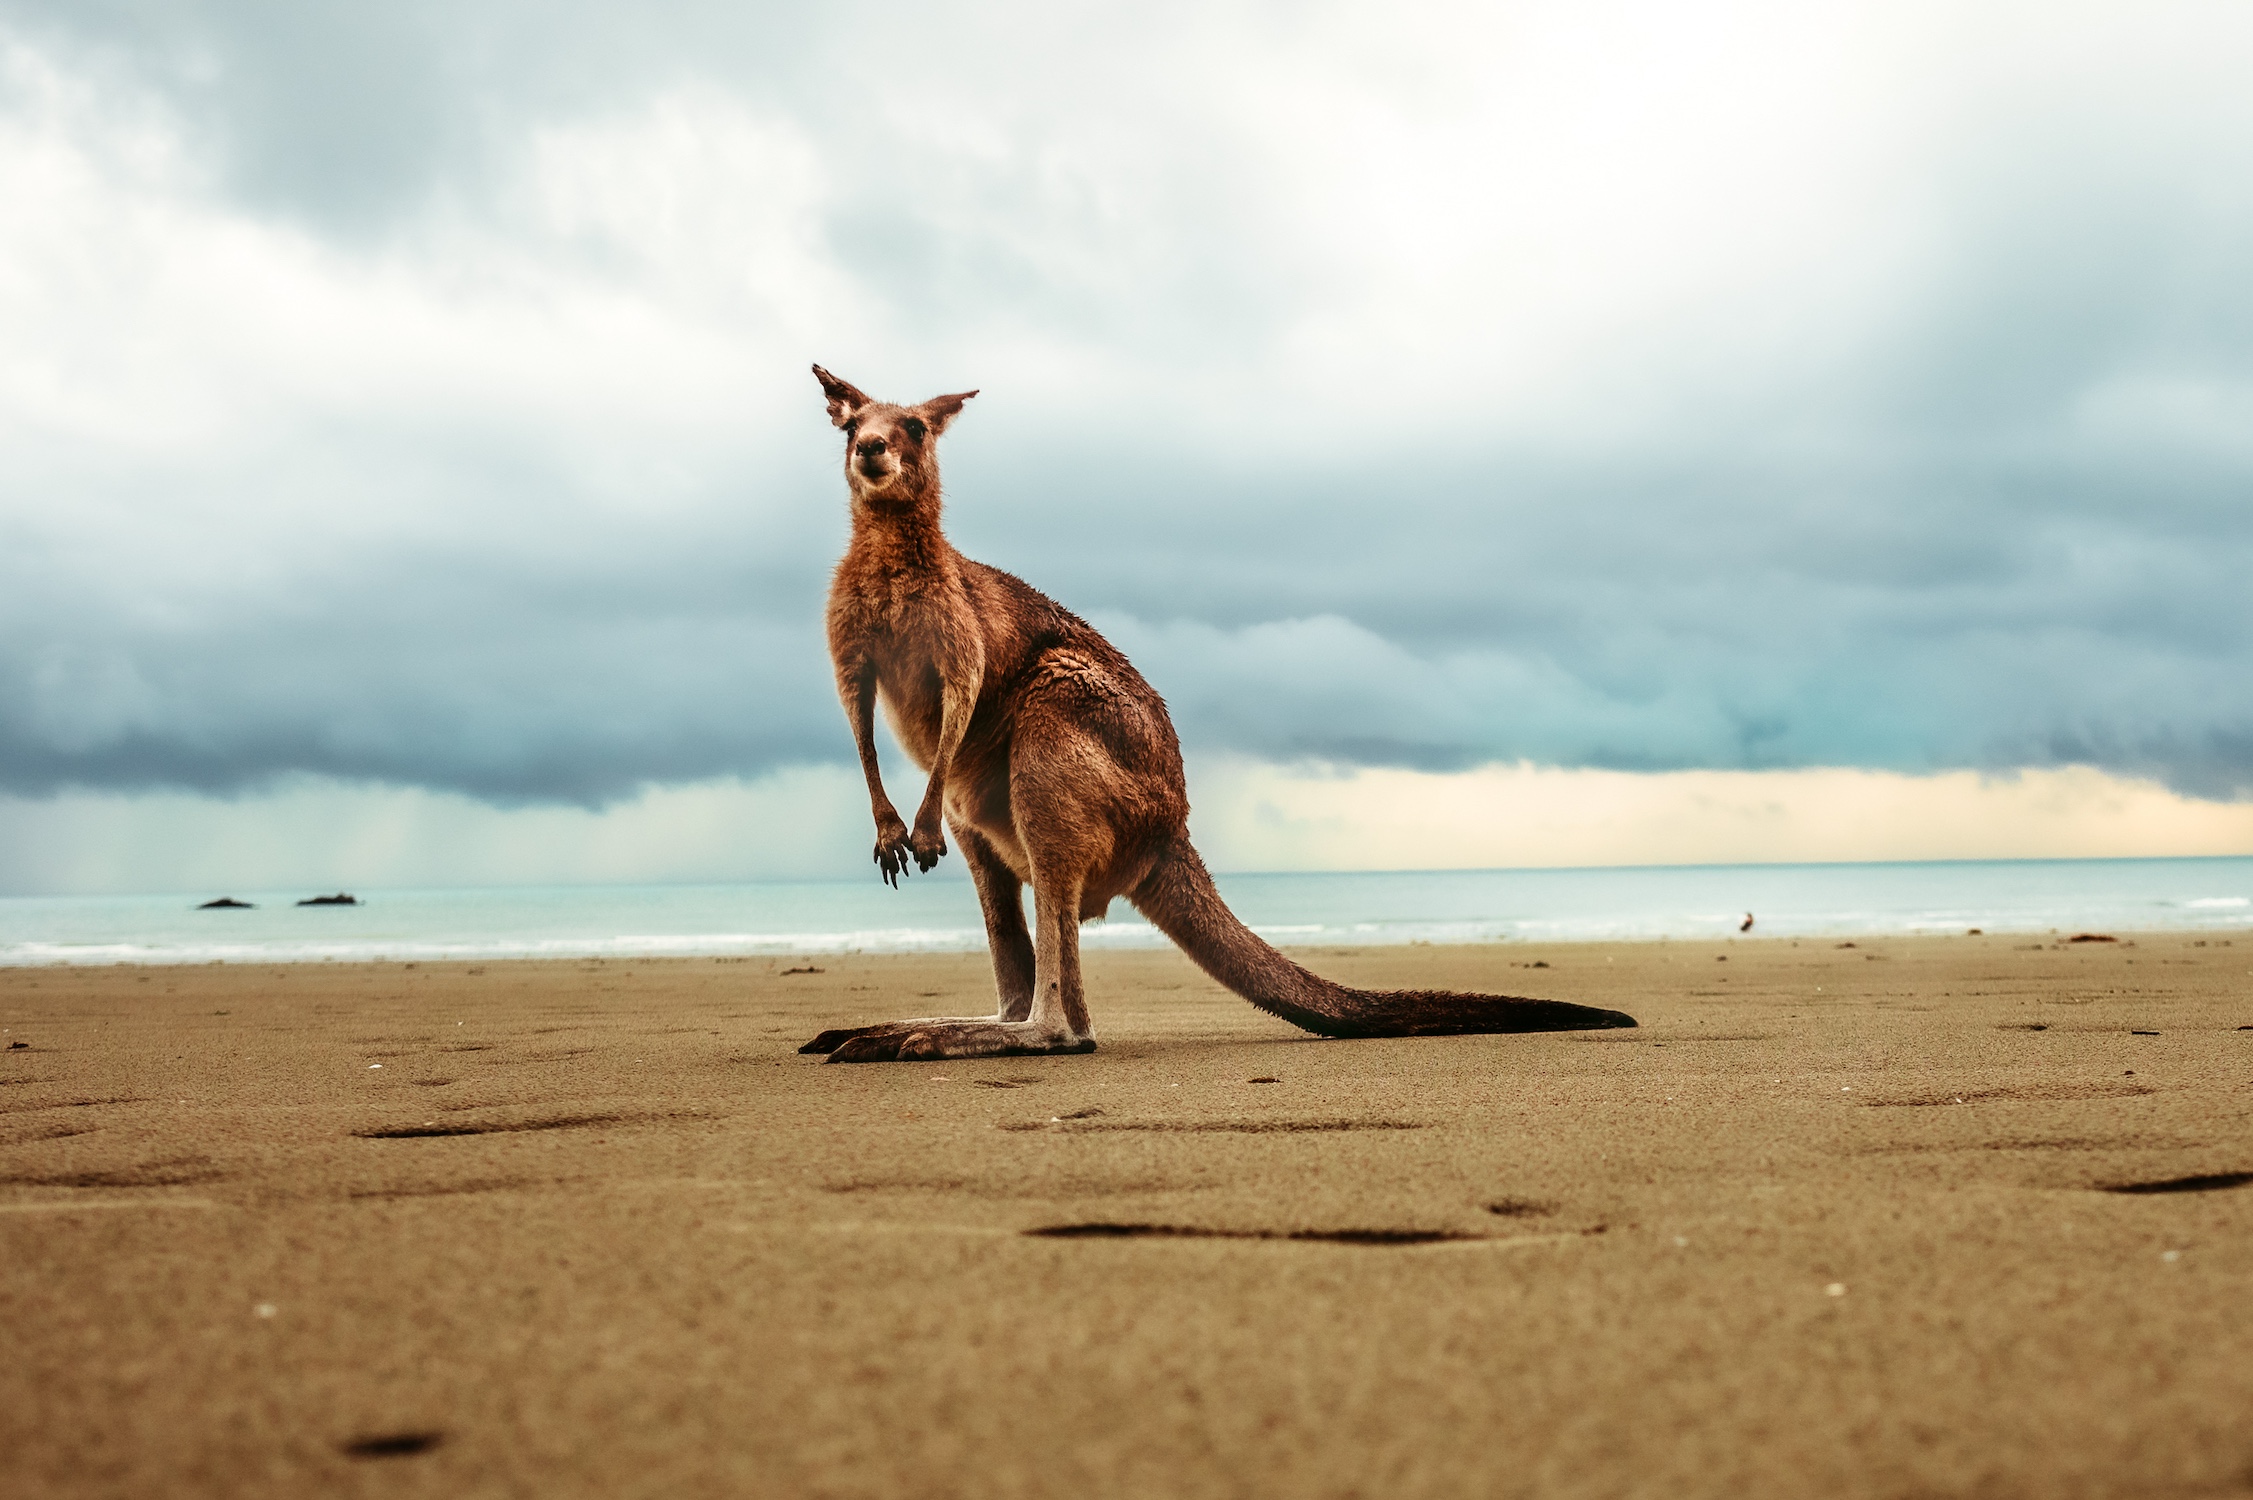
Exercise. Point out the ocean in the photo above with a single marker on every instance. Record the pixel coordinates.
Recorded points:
(940, 912)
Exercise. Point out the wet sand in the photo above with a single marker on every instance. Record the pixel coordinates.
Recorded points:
(1835, 1221)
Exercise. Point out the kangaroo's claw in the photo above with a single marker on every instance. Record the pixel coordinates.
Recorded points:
(892, 857)
(877, 1048)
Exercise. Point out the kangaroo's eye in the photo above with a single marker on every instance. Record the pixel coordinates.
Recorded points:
(915, 429)
(852, 426)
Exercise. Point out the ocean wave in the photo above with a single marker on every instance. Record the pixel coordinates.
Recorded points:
(1700, 904)
(654, 945)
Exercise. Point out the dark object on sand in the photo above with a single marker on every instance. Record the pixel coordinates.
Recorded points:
(2211, 1182)
(339, 899)
(390, 1444)
(14, 1046)
(1746, 924)
(225, 903)
(2092, 937)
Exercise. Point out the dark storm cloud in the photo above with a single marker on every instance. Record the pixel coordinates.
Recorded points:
(2002, 518)
(1668, 620)
(651, 664)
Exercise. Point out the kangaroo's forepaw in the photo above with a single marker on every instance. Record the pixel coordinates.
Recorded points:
(892, 856)
(928, 847)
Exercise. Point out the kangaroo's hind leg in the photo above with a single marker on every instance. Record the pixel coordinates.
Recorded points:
(1061, 793)
(1001, 897)
(1057, 1019)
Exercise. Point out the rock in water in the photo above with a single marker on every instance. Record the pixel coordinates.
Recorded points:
(339, 899)
(225, 903)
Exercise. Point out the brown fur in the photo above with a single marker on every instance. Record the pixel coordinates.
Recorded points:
(1054, 764)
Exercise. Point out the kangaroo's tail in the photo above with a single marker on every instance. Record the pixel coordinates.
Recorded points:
(1179, 899)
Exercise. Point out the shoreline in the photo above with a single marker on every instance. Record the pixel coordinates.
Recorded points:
(592, 1226)
(2047, 937)
(1388, 909)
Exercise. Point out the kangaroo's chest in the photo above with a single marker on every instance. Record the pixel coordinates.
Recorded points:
(908, 685)
(899, 632)
(900, 609)
(896, 602)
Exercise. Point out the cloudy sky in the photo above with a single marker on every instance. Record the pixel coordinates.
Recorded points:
(1489, 419)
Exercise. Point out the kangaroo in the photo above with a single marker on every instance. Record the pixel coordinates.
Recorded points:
(1052, 763)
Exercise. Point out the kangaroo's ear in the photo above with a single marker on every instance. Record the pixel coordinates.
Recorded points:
(845, 400)
(940, 410)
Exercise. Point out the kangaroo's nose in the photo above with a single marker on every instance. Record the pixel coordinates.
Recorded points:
(870, 447)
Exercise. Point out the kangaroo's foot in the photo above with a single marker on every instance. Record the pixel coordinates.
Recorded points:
(830, 1041)
(918, 1041)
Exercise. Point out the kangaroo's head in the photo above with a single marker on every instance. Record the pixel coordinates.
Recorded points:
(891, 457)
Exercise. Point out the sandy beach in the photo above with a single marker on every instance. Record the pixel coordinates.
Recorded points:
(1836, 1220)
